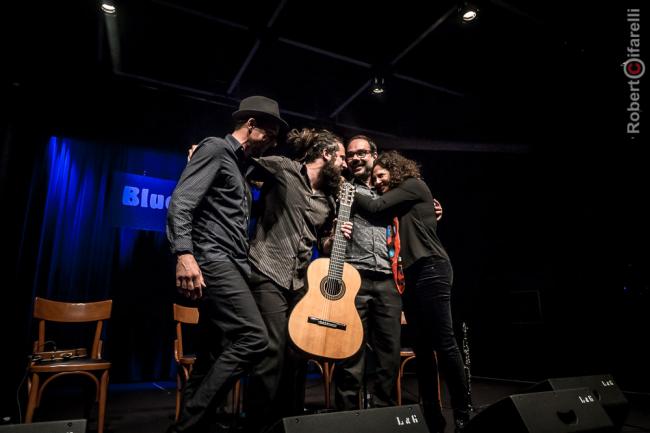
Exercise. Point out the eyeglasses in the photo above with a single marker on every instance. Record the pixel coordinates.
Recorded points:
(359, 154)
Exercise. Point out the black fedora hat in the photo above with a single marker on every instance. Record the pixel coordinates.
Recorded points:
(260, 106)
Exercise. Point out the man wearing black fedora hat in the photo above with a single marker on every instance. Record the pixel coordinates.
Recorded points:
(207, 227)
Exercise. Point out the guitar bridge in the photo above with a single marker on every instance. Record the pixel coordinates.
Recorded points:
(326, 323)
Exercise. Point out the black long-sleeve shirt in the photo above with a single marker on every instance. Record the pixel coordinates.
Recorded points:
(412, 202)
(210, 208)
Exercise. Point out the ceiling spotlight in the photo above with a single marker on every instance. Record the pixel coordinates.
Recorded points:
(468, 12)
(469, 15)
(108, 7)
(377, 87)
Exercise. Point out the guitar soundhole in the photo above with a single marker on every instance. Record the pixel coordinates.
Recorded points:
(332, 289)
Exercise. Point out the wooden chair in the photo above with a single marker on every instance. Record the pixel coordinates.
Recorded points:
(93, 367)
(406, 355)
(327, 371)
(190, 316)
(183, 316)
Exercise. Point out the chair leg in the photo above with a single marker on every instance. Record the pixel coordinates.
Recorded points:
(399, 387)
(435, 359)
(400, 375)
(178, 395)
(33, 396)
(236, 397)
(103, 389)
(327, 381)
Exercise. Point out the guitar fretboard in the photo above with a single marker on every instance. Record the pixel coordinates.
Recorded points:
(340, 243)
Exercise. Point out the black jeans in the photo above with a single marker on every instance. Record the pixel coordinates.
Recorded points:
(276, 385)
(232, 338)
(380, 307)
(427, 306)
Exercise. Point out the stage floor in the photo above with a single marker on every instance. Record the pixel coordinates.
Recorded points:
(149, 407)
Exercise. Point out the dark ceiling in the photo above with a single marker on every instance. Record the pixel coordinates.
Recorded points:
(520, 75)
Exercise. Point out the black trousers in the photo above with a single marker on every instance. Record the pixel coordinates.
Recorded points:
(276, 385)
(427, 306)
(380, 307)
(232, 338)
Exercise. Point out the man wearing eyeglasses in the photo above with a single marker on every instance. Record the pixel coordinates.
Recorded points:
(378, 301)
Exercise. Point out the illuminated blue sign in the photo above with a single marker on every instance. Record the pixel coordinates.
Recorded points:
(140, 202)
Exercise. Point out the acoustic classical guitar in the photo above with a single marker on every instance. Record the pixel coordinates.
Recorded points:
(325, 322)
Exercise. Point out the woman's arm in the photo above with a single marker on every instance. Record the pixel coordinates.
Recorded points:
(404, 193)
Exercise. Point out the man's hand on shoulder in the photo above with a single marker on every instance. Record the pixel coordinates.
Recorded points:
(190, 151)
(437, 207)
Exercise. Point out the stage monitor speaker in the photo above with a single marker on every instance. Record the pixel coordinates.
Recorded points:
(601, 386)
(65, 426)
(565, 411)
(403, 419)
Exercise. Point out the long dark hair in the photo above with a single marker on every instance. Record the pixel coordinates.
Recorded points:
(399, 167)
(309, 143)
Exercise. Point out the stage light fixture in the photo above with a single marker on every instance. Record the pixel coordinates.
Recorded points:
(108, 7)
(377, 87)
(468, 12)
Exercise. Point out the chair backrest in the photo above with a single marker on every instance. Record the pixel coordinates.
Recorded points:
(72, 312)
(183, 315)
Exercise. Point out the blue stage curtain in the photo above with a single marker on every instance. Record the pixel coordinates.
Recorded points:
(75, 247)
(80, 256)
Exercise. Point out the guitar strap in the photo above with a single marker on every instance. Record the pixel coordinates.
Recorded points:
(394, 245)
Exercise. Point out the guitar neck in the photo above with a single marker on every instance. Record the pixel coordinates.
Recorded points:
(337, 257)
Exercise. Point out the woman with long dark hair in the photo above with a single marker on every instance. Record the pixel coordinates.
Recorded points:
(428, 279)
